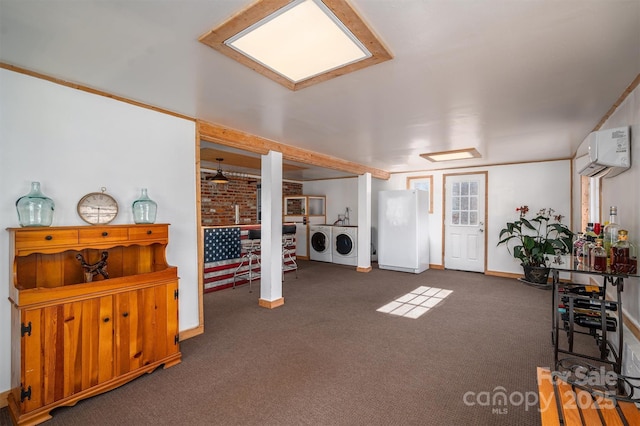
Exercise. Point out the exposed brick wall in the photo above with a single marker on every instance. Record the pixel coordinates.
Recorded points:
(219, 200)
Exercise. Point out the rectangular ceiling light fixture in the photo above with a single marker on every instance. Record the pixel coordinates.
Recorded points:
(325, 44)
(298, 43)
(457, 154)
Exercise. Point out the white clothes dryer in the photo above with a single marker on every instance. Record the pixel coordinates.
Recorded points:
(345, 245)
(320, 243)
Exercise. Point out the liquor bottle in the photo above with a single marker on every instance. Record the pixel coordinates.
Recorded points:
(595, 322)
(620, 263)
(586, 251)
(592, 321)
(597, 228)
(591, 304)
(611, 233)
(598, 257)
(578, 246)
(583, 290)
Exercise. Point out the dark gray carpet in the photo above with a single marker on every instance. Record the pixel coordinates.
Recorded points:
(328, 358)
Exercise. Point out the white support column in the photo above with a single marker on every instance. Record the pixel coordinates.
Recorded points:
(271, 235)
(364, 223)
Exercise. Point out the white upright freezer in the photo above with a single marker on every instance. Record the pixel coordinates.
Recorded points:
(403, 230)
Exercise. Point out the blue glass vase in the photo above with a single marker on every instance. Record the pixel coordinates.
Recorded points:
(144, 209)
(35, 208)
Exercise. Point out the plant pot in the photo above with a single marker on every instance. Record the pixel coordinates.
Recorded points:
(536, 274)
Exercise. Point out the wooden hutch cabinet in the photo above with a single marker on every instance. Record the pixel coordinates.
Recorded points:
(76, 334)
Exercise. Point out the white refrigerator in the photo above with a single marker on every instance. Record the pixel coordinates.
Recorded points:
(403, 230)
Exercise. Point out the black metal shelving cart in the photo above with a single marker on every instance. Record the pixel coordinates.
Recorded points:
(589, 311)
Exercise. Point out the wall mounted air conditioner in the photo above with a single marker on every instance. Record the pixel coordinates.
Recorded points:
(609, 153)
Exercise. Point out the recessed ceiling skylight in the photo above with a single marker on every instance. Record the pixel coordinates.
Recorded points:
(298, 43)
(458, 154)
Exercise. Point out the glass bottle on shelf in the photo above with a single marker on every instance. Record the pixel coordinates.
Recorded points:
(620, 254)
(578, 245)
(598, 257)
(144, 209)
(589, 244)
(611, 232)
(35, 208)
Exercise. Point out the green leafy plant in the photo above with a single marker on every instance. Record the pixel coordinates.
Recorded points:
(531, 241)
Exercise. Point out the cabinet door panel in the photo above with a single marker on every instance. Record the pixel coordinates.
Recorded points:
(70, 349)
(105, 340)
(90, 343)
(32, 360)
(172, 319)
(146, 326)
(72, 355)
(53, 345)
(135, 324)
(128, 338)
(166, 320)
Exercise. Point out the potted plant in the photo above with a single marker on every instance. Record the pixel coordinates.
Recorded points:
(533, 241)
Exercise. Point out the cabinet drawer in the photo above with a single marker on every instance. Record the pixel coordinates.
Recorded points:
(46, 238)
(150, 232)
(103, 235)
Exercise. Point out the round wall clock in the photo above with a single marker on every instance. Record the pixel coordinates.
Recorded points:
(98, 208)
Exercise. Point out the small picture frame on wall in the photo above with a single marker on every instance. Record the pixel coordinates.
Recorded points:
(424, 183)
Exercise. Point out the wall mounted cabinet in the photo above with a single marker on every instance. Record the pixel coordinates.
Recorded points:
(81, 327)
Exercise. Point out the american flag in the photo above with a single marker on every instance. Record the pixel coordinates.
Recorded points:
(221, 244)
(223, 250)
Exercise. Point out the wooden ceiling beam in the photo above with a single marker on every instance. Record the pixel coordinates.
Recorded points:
(237, 139)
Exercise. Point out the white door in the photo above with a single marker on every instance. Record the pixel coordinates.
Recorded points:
(464, 236)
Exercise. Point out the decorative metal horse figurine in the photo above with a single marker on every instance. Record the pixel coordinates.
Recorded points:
(99, 267)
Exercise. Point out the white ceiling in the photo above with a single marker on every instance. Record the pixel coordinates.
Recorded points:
(518, 80)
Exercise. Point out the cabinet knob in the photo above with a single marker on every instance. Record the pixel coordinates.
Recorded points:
(105, 233)
(125, 314)
(149, 232)
(106, 319)
(49, 237)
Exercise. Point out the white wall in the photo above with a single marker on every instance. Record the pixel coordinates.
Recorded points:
(73, 143)
(344, 193)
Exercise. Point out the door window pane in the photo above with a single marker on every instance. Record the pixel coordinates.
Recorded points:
(464, 203)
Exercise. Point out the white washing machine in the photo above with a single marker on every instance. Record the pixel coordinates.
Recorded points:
(320, 243)
(345, 245)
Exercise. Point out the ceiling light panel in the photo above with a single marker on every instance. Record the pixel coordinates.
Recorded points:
(458, 154)
(273, 38)
(300, 41)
